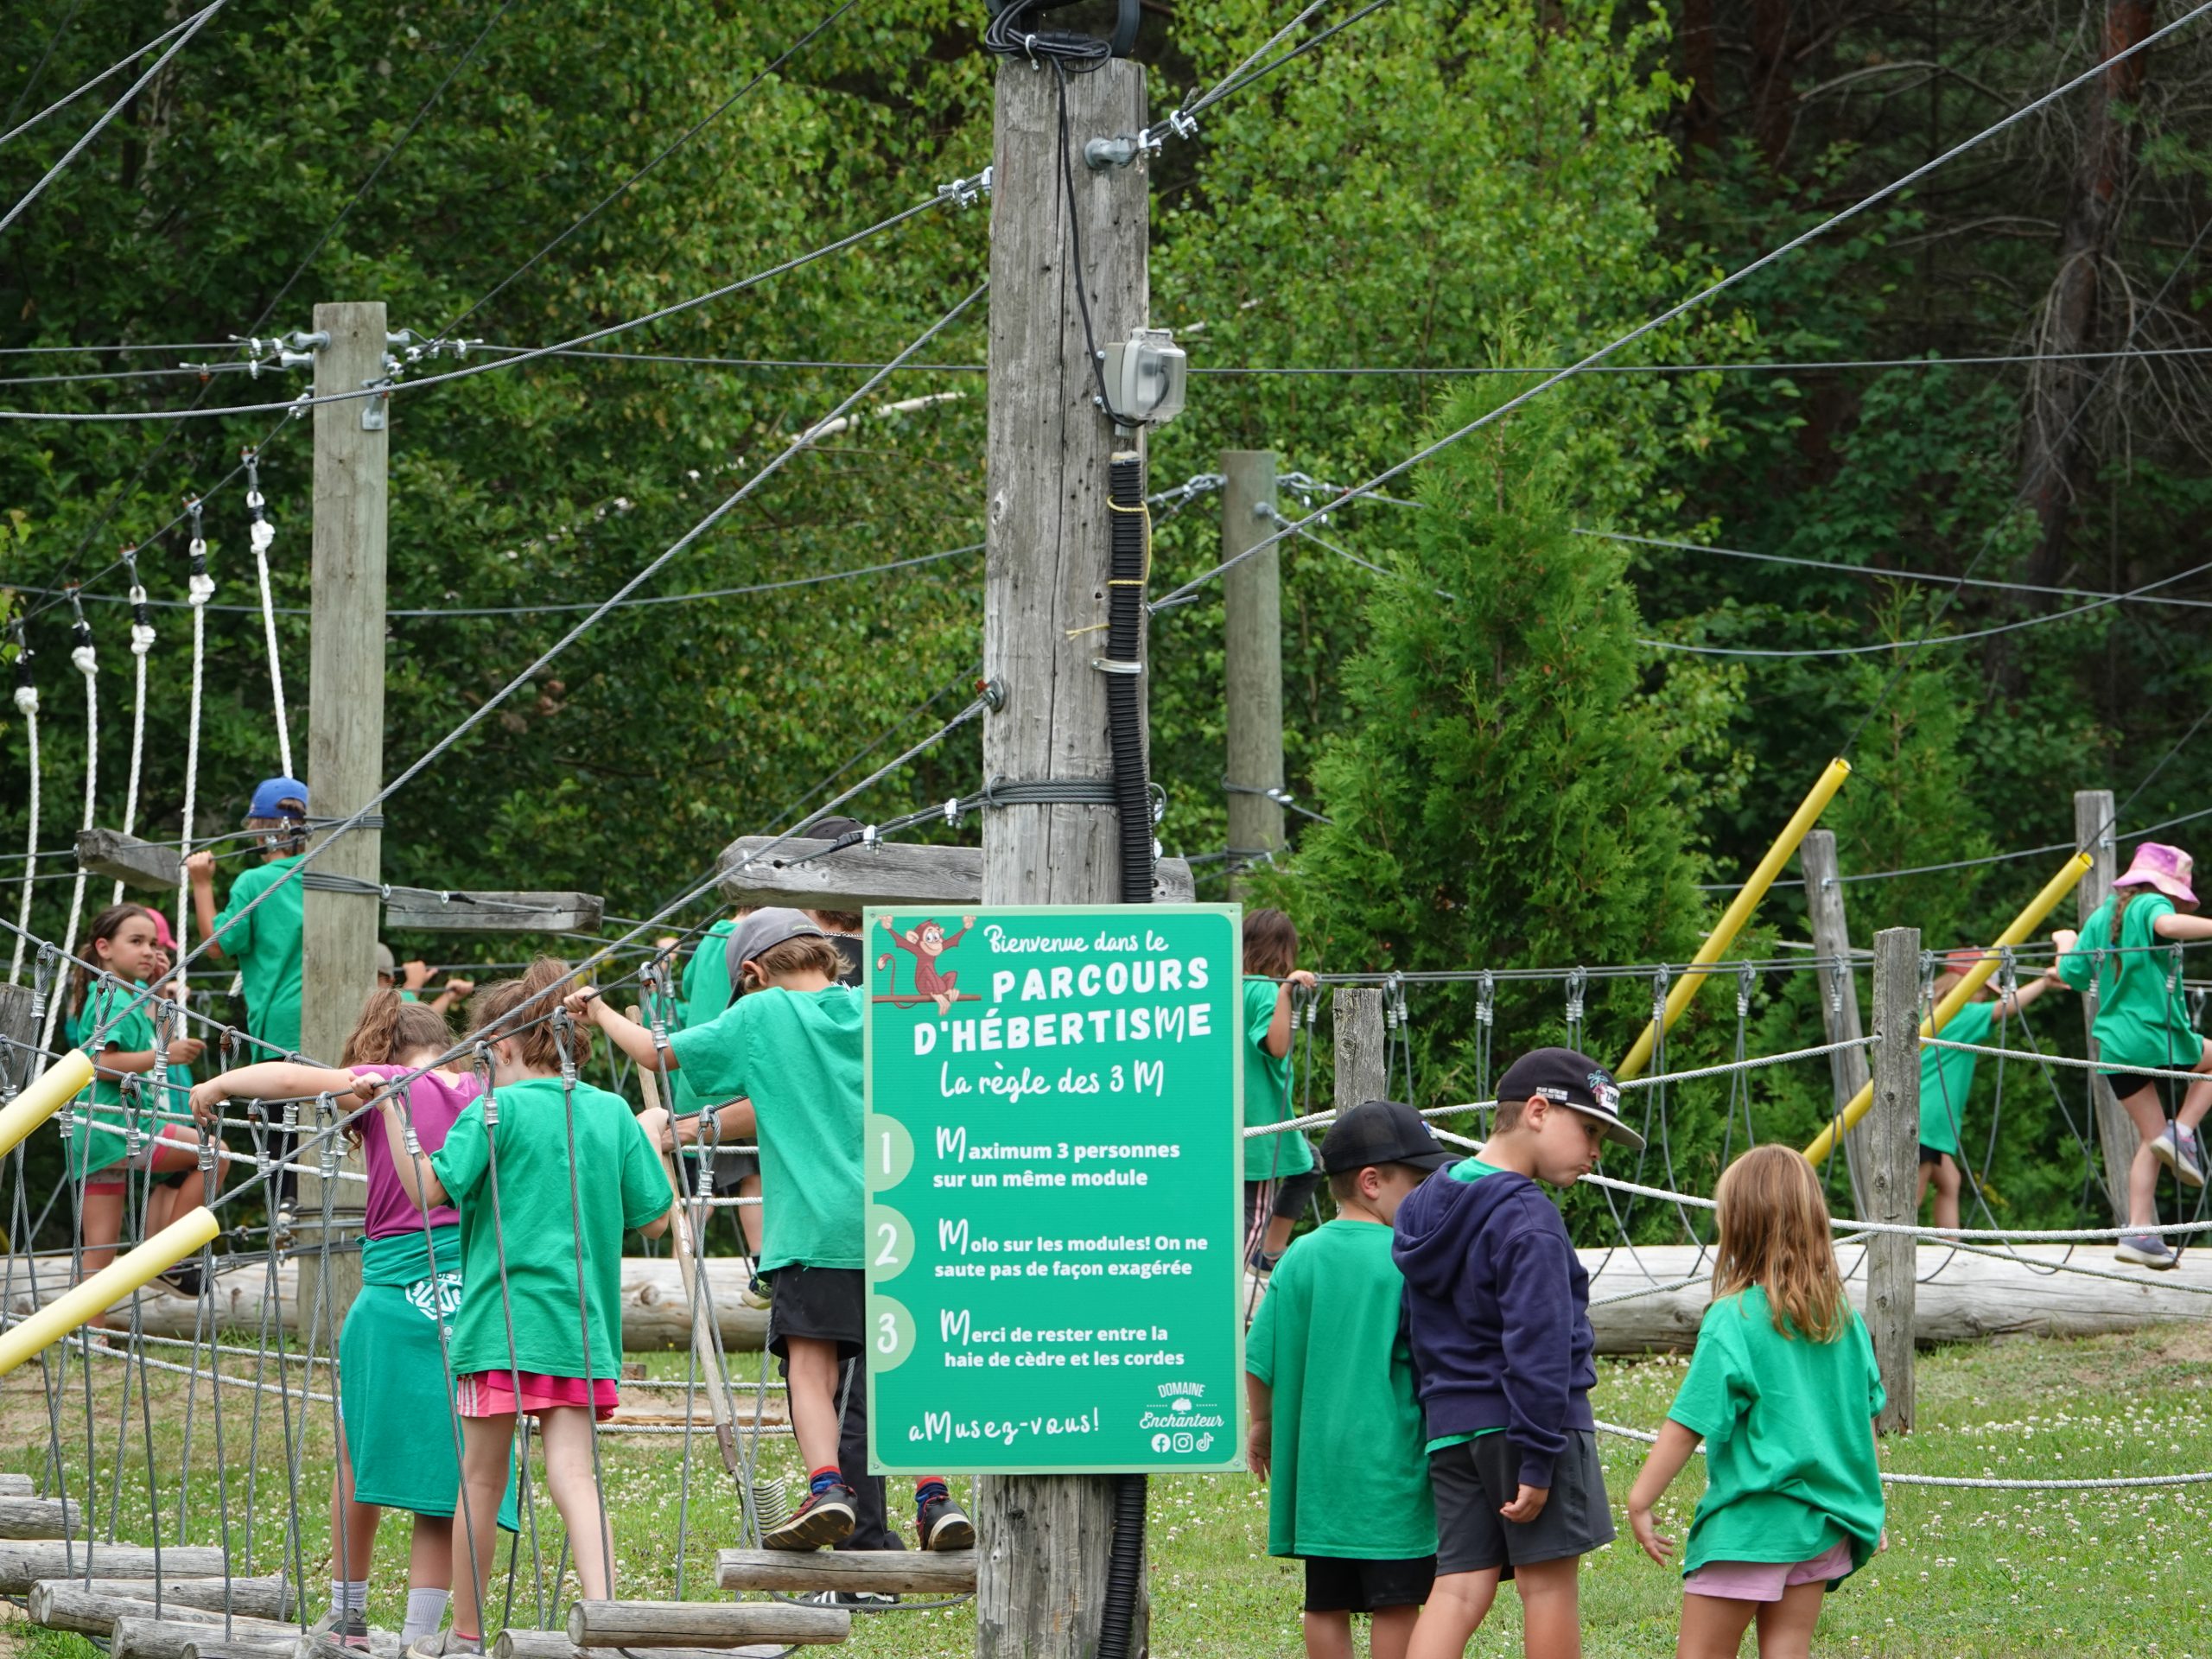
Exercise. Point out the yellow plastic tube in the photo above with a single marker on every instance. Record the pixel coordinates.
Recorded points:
(62, 1080)
(106, 1288)
(1738, 912)
(1960, 995)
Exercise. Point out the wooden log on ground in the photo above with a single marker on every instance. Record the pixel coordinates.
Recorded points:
(702, 1624)
(167, 1638)
(22, 1565)
(129, 860)
(37, 1518)
(803, 872)
(885, 1572)
(512, 1644)
(265, 1598)
(1961, 1298)
(17, 1486)
(240, 1650)
(655, 1312)
(65, 1605)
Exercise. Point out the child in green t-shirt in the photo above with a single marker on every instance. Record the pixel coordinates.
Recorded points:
(788, 1051)
(1336, 1431)
(2127, 957)
(1947, 1075)
(1783, 1387)
(261, 930)
(113, 1018)
(1279, 1179)
(539, 1328)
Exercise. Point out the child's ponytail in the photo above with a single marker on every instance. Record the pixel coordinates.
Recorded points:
(391, 1026)
(520, 1011)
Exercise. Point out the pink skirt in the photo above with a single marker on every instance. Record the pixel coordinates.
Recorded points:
(491, 1394)
(1766, 1580)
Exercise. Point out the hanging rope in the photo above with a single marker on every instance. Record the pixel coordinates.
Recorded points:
(27, 706)
(142, 641)
(87, 664)
(261, 532)
(199, 589)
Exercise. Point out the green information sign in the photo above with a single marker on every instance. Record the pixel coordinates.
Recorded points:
(1054, 1162)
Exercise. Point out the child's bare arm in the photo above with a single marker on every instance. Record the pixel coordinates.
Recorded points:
(200, 868)
(1660, 1465)
(1277, 1042)
(2174, 925)
(119, 1062)
(1260, 1437)
(2021, 996)
(626, 1034)
(268, 1080)
(656, 1228)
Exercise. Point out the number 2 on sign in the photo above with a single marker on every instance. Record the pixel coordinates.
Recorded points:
(888, 1256)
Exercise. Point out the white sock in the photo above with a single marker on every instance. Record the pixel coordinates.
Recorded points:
(426, 1611)
(349, 1595)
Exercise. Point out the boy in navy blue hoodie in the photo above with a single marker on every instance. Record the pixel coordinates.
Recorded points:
(1498, 1307)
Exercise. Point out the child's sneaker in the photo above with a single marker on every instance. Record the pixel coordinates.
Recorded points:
(943, 1524)
(757, 1293)
(2177, 1150)
(343, 1633)
(444, 1644)
(826, 1517)
(2147, 1250)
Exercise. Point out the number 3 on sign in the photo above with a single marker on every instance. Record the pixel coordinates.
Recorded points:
(892, 1332)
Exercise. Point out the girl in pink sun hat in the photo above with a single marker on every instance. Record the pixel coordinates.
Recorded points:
(2127, 956)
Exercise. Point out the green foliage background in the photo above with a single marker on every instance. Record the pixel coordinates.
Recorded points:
(1474, 186)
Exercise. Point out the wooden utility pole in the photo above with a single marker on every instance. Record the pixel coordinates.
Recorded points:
(2096, 833)
(1362, 1056)
(1893, 1173)
(344, 748)
(1839, 994)
(1043, 1540)
(1251, 598)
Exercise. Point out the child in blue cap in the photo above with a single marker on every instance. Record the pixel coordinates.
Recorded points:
(263, 940)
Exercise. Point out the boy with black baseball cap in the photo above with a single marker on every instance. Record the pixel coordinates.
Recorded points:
(1498, 1307)
(1335, 1428)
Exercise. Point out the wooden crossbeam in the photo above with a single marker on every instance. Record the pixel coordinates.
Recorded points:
(802, 873)
(702, 1624)
(431, 911)
(885, 1571)
(129, 860)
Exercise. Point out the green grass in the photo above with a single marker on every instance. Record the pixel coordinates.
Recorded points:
(1972, 1574)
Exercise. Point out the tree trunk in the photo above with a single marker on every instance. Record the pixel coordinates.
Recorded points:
(1701, 69)
(2074, 317)
(1771, 91)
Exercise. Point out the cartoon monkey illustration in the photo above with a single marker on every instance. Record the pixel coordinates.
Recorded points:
(925, 944)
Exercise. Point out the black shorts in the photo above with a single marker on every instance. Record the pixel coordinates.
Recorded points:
(1336, 1584)
(2125, 1083)
(729, 1169)
(1476, 1478)
(1293, 1194)
(825, 1303)
(1934, 1155)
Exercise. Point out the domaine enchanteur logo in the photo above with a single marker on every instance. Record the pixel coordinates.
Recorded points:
(1186, 1425)
(928, 943)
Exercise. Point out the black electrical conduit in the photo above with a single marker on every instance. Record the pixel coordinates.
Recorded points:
(1125, 611)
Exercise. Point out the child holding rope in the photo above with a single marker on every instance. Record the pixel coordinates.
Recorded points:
(539, 1328)
(789, 1048)
(2131, 948)
(264, 939)
(1279, 1179)
(394, 1446)
(1784, 1388)
(114, 1020)
(1946, 1075)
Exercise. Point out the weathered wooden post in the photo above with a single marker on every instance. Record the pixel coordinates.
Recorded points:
(1893, 1171)
(1361, 1056)
(1042, 1540)
(344, 752)
(1839, 986)
(2097, 835)
(1251, 599)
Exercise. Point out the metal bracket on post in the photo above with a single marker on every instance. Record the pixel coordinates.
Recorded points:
(374, 410)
